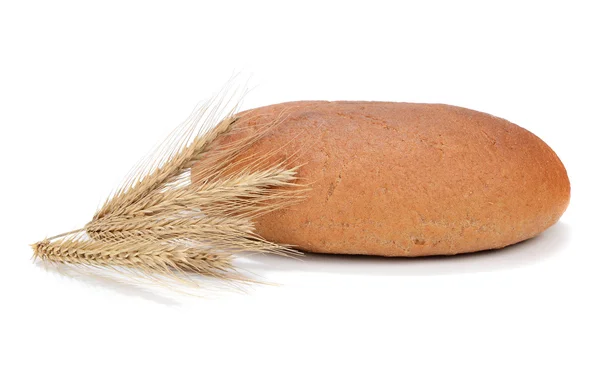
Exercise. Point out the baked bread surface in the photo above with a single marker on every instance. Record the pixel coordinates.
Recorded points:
(407, 179)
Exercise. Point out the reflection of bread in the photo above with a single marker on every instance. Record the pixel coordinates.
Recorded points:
(399, 179)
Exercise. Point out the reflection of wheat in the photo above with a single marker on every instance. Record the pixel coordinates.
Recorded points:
(159, 222)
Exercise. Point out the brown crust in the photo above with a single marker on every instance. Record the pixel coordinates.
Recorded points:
(402, 179)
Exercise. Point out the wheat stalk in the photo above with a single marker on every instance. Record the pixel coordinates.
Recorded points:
(159, 222)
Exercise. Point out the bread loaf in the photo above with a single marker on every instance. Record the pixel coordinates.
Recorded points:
(400, 179)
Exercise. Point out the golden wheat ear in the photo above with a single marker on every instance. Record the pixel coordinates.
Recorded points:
(160, 223)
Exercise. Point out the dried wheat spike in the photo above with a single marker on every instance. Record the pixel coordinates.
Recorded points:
(159, 222)
(148, 257)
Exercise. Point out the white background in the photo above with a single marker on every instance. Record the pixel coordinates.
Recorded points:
(86, 88)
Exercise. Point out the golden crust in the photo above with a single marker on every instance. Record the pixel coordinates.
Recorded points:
(402, 179)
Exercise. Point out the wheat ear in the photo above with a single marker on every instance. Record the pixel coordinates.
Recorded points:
(158, 222)
(148, 257)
